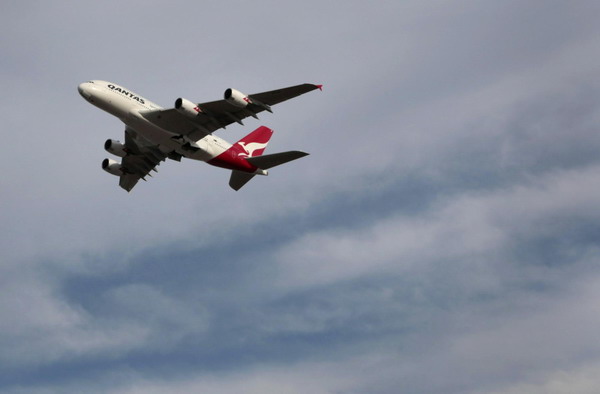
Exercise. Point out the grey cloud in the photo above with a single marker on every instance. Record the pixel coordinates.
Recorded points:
(447, 210)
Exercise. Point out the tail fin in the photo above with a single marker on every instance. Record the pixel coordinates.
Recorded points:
(253, 144)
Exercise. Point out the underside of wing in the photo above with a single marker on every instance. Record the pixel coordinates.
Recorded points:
(198, 120)
(280, 95)
(141, 159)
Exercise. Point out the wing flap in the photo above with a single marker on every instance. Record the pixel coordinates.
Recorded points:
(128, 181)
(141, 159)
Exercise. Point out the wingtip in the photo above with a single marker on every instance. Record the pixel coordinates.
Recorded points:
(320, 87)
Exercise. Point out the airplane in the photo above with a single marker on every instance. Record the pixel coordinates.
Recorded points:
(153, 133)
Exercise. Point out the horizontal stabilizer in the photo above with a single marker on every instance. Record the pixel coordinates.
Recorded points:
(268, 161)
(239, 179)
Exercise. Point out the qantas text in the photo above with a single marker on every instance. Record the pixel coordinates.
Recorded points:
(126, 93)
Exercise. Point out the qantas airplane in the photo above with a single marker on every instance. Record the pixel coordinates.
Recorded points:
(153, 134)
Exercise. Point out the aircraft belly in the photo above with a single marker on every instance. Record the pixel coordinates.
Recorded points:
(206, 150)
(202, 150)
(149, 131)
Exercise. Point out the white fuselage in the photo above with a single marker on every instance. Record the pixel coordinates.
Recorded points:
(128, 106)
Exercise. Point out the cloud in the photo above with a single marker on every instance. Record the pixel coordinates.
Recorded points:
(447, 210)
(535, 339)
(40, 327)
(469, 228)
(581, 380)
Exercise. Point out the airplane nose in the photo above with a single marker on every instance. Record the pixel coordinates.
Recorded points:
(83, 91)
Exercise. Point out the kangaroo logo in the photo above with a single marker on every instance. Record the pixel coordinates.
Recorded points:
(250, 148)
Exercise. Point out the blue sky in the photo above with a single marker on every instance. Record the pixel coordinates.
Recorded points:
(443, 235)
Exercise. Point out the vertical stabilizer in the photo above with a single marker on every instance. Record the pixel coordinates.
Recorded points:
(253, 144)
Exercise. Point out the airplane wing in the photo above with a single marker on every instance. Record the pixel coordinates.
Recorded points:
(215, 115)
(141, 158)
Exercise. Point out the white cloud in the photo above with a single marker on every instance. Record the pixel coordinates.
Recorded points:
(39, 327)
(470, 228)
(306, 377)
(582, 380)
(537, 341)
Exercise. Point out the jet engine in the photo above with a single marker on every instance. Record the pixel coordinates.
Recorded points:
(237, 98)
(187, 108)
(115, 147)
(112, 167)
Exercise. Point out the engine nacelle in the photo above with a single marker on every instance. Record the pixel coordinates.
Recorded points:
(115, 147)
(187, 108)
(237, 98)
(112, 167)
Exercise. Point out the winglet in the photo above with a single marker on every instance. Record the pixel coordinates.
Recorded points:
(320, 87)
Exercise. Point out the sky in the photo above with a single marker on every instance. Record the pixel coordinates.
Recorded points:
(442, 236)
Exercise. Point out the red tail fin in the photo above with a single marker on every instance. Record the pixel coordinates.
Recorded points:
(253, 144)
